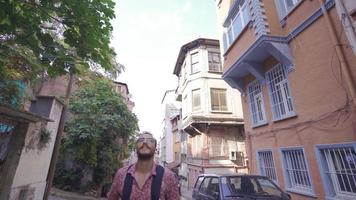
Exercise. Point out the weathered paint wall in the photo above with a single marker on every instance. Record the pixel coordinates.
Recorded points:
(35, 160)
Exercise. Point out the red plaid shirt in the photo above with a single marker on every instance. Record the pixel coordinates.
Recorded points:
(169, 187)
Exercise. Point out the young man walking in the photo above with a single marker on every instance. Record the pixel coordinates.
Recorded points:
(144, 180)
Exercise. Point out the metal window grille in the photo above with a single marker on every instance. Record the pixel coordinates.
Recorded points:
(256, 103)
(297, 173)
(281, 99)
(267, 167)
(218, 99)
(340, 169)
(214, 62)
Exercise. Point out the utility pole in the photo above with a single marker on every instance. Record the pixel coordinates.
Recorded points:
(57, 143)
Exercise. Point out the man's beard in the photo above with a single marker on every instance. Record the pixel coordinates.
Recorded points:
(144, 156)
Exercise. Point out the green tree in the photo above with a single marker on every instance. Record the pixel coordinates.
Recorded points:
(43, 38)
(98, 118)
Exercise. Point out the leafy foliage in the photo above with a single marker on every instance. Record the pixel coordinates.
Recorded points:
(41, 38)
(99, 117)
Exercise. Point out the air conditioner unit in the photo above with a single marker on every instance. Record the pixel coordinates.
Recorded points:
(233, 155)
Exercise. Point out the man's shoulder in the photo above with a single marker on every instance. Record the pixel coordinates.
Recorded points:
(123, 170)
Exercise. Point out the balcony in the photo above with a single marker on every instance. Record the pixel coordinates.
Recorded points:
(251, 62)
(196, 125)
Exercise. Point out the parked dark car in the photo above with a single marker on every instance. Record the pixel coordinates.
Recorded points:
(239, 187)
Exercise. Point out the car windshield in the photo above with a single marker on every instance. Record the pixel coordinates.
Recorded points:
(249, 185)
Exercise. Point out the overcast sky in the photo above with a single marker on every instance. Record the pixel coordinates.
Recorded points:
(147, 37)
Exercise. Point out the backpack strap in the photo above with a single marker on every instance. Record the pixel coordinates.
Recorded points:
(155, 188)
(157, 182)
(126, 191)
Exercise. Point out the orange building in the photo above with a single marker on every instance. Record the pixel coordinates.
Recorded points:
(294, 63)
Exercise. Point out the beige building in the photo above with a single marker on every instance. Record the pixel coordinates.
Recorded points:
(211, 112)
(293, 62)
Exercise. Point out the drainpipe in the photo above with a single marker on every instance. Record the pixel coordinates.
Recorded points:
(344, 65)
(249, 144)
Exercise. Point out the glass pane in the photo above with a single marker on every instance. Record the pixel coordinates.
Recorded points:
(196, 100)
(195, 62)
(214, 99)
(204, 185)
(237, 25)
(223, 103)
(246, 15)
(214, 188)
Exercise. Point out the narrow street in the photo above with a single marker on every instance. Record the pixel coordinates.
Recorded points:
(235, 98)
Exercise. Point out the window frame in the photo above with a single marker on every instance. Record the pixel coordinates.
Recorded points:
(328, 183)
(196, 108)
(185, 113)
(226, 100)
(228, 40)
(195, 63)
(196, 186)
(284, 87)
(282, 9)
(258, 122)
(287, 179)
(201, 184)
(214, 63)
(275, 179)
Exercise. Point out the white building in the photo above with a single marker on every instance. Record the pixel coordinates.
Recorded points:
(170, 109)
(211, 112)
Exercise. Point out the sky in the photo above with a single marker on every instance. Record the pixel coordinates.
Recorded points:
(147, 37)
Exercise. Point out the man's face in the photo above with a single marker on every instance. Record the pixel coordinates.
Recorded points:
(145, 147)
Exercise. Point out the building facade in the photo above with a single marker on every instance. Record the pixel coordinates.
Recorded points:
(211, 114)
(170, 109)
(294, 63)
(31, 179)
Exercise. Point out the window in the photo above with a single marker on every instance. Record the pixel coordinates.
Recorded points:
(266, 164)
(236, 23)
(214, 62)
(338, 168)
(218, 147)
(184, 72)
(296, 171)
(204, 186)
(214, 188)
(195, 62)
(196, 100)
(118, 89)
(257, 110)
(218, 99)
(281, 99)
(185, 107)
(199, 181)
(285, 6)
